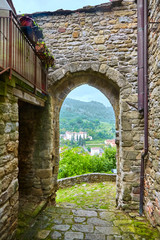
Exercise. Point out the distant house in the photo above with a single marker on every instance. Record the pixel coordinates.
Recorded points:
(67, 136)
(110, 142)
(96, 151)
(90, 138)
(75, 136)
(82, 134)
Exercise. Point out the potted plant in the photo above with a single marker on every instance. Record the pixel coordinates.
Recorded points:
(40, 47)
(44, 54)
(26, 21)
(49, 61)
(31, 29)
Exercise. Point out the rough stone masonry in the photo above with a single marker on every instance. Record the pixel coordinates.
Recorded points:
(98, 46)
(95, 46)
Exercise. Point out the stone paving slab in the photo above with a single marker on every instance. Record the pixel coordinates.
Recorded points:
(89, 224)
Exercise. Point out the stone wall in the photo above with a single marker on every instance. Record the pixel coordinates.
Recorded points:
(88, 178)
(152, 171)
(98, 46)
(27, 163)
(95, 46)
(106, 37)
(8, 165)
(36, 163)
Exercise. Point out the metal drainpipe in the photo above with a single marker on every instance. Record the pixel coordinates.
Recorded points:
(140, 13)
(145, 101)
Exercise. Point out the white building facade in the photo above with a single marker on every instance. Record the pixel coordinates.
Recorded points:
(75, 136)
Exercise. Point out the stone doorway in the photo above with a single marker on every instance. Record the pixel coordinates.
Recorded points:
(27, 123)
(34, 153)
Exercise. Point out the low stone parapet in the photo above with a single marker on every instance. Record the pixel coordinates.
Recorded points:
(89, 178)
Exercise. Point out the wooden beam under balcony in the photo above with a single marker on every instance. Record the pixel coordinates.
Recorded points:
(30, 98)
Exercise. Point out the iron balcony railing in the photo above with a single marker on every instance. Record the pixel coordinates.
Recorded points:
(17, 55)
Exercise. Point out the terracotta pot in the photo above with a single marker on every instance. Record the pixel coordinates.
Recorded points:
(40, 47)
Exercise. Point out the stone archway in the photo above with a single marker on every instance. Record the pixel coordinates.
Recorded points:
(83, 42)
(113, 85)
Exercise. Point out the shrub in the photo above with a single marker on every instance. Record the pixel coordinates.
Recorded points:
(76, 162)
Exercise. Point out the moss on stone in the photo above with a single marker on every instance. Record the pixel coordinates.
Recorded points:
(26, 216)
(128, 228)
(122, 222)
(24, 85)
(3, 88)
(143, 229)
(38, 208)
(127, 195)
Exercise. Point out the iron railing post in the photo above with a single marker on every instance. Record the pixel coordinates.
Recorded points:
(35, 74)
(10, 44)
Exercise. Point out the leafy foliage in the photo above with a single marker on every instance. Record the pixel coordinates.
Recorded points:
(76, 162)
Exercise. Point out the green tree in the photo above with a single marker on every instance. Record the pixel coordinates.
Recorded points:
(75, 162)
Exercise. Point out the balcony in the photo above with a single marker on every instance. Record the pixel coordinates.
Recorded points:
(18, 56)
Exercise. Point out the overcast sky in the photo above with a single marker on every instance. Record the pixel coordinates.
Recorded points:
(31, 6)
(87, 93)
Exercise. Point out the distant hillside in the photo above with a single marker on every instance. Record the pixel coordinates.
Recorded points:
(72, 109)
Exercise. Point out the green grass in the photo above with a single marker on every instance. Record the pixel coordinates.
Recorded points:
(90, 195)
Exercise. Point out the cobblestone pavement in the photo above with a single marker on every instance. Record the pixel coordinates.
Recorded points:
(69, 223)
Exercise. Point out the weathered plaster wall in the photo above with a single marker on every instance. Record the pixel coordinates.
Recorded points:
(152, 173)
(100, 48)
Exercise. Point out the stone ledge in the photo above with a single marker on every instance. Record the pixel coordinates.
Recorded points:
(90, 178)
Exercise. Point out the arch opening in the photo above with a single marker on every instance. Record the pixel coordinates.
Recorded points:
(87, 147)
(119, 92)
(70, 82)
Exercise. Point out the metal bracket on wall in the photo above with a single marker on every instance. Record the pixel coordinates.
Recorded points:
(5, 70)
